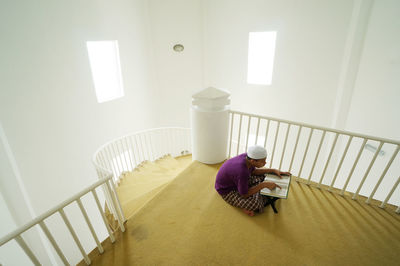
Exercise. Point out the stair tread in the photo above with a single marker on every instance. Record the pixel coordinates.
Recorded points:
(131, 207)
(139, 186)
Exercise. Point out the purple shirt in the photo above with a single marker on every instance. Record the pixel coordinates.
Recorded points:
(234, 175)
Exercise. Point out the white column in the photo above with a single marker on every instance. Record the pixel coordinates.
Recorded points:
(210, 125)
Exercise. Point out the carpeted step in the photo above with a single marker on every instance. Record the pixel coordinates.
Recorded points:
(130, 192)
(134, 205)
(138, 187)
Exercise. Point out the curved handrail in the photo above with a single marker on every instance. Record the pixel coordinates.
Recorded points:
(39, 220)
(102, 147)
(125, 153)
(134, 133)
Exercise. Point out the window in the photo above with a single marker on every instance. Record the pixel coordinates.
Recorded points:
(261, 57)
(106, 70)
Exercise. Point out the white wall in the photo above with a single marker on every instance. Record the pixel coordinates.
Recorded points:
(7, 225)
(18, 209)
(179, 75)
(375, 103)
(48, 106)
(310, 41)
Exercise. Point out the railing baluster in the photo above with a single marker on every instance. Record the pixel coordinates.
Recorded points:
(166, 142)
(181, 143)
(120, 154)
(305, 152)
(188, 143)
(354, 166)
(101, 174)
(144, 146)
(139, 149)
(258, 128)
(120, 215)
(117, 156)
(383, 175)
(275, 140)
(111, 162)
(129, 153)
(284, 146)
(101, 250)
(157, 143)
(341, 162)
(295, 148)
(367, 172)
(27, 250)
(170, 139)
(74, 236)
(121, 151)
(53, 242)
(266, 134)
(124, 154)
(316, 157)
(248, 132)
(390, 193)
(112, 238)
(103, 161)
(154, 156)
(148, 146)
(132, 148)
(143, 140)
(240, 129)
(328, 160)
(230, 137)
(116, 160)
(117, 202)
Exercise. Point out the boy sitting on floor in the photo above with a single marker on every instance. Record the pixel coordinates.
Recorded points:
(240, 179)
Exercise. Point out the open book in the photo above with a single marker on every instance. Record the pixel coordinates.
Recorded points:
(283, 182)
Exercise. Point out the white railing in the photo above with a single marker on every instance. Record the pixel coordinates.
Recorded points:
(355, 163)
(124, 154)
(40, 220)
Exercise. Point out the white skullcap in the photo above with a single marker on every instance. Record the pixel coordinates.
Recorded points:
(257, 152)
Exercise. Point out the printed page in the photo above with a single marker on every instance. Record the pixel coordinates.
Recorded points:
(276, 179)
(283, 182)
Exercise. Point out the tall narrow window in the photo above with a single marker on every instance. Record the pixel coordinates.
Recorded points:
(106, 69)
(261, 57)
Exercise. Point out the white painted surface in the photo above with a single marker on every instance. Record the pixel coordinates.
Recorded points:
(19, 208)
(178, 75)
(48, 106)
(11, 253)
(375, 104)
(210, 125)
(351, 60)
(309, 47)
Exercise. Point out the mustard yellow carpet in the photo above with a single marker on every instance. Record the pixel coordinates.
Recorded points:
(187, 223)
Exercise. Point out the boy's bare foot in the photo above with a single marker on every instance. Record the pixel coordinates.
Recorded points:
(249, 213)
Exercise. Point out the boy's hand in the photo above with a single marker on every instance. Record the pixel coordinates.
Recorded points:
(270, 185)
(280, 174)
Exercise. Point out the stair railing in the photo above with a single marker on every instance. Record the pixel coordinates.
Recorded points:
(349, 156)
(40, 220)
(125, 153)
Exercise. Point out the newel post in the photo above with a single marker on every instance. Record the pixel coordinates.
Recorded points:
(210, 125)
